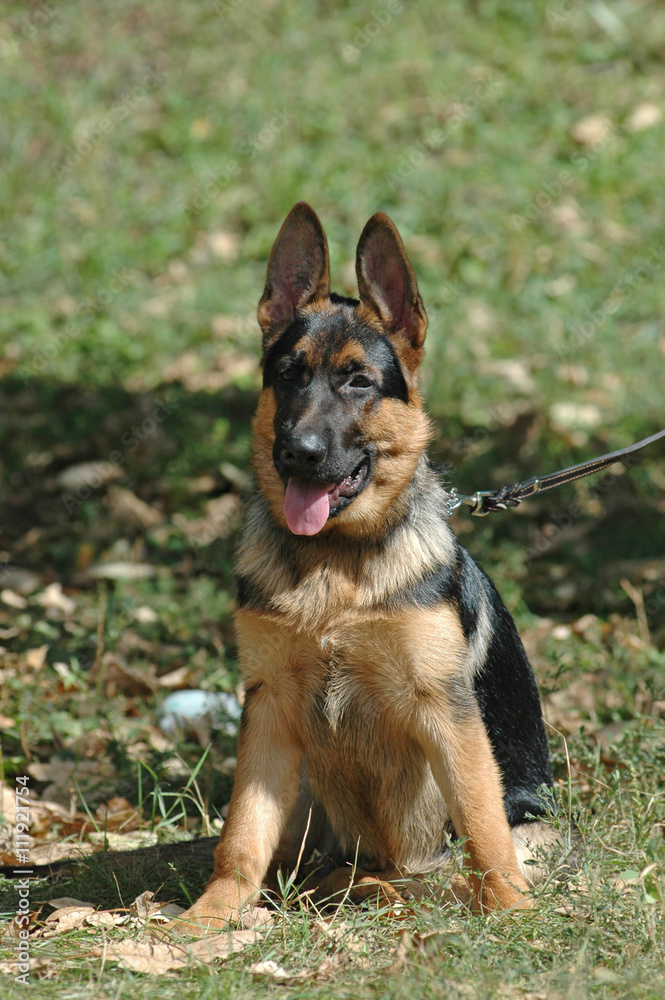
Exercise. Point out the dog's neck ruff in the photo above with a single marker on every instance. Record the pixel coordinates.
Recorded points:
(310, 579)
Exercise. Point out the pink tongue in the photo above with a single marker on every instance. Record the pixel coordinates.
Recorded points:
(306, 506)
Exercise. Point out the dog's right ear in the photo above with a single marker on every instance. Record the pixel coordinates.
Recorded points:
(298, 271)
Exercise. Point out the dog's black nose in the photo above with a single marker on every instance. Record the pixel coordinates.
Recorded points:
(303, 452)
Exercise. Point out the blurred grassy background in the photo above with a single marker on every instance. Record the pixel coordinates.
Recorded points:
(166, 141)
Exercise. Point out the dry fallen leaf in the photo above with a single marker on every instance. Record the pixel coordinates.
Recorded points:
(119, 676)
(53, 599)
(221, 516)
(65, 775)
(14, 600)
(567, 217)
(145, 615)
(567, 416)
(74, 914)
(165, 913)
(68, 918)
(106, 918)
(34, 658)
(60, 850)
(158, 957)
(143, 906)
(130, 510)
(181, 677)
(21, 581)
(151, 957)
(88, 475)
(38, 966)
(121, 571)
(63, 901)
(257, 916)
(271, 970)
(427, 945)
(592, 131)
(224, 245)
(8, 804)
(643, 116)
(118, 813)
(199, 377)
(223, 945)
(515, 372)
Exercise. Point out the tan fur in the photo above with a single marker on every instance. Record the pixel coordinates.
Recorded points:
(269, 482)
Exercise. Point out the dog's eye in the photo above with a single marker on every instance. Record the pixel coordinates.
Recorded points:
(287, 374)
(360, 382)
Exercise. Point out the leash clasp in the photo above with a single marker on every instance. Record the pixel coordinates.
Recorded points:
(473, 502)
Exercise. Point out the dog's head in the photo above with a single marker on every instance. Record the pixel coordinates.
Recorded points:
(340, 425)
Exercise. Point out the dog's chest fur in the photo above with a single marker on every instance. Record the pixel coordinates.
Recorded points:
(358, 754)
(349, 693)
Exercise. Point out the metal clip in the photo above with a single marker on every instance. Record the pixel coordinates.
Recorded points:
(475, 502)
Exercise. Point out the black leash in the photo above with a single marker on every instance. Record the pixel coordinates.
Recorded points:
(486, 501)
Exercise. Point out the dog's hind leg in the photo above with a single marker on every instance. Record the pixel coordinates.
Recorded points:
(542, 849)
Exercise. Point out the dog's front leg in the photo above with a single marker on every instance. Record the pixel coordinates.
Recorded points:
(460, 755)
(264, 793)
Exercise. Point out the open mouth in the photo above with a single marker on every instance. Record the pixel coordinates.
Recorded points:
(308, 505)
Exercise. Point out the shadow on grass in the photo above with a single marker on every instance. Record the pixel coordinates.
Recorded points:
(159, 444)
(174, 448)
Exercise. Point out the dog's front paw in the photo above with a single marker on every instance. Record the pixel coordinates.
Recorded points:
(500, 893)
(208, 914)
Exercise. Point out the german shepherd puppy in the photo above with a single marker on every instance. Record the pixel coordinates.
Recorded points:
(389, 702)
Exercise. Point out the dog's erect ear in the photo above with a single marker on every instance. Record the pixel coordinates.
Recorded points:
(386, 281)
(297, 270)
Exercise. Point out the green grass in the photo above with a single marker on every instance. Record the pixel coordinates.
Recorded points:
(150, 153)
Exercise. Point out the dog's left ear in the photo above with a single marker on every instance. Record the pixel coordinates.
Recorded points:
(386, 281)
